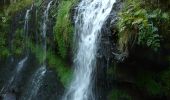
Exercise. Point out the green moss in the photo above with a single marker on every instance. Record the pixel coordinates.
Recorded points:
(63, 70)
(4, 27)
(118, 95)
(64, 29)
(37, 50)
(18, 42)
(55, 62)
(165, 78)
(146, 80)
(15, 7)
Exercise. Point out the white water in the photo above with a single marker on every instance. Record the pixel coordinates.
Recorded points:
(44, 30)
(90, 16)
(26, 29)
(21, 63)
(15, 74)
(26, 22)
(35, 84)
(37, 78)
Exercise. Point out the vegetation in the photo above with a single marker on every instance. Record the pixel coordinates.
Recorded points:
(164, 77)
(140, 25)
(18, 42)
(118, 95)
(4, 26)
(17, 6)
(54, 61)
(63, 28)
(146, 80)
(62, 68)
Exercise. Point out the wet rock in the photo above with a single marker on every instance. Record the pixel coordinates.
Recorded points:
(9, 96)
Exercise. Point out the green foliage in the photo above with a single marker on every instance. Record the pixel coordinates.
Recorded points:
(118, 95)
(18, 42)
(3, 47)
(4, 26)
(37, 2)
(64, 29)
(148, 36)
(62, 69)
(37, 50)
(54, 62)
(15, 7)
(141, 26)
(145, 80)
(165, 78)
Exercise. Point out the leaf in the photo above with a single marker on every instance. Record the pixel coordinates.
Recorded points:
(137, 21)
(165, 16)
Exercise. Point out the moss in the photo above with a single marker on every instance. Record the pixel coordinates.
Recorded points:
(37, 50)
(63, 70)
(118, 95)
(4, 27)
(55, 62)
(18, 42)
(165, 78)
(63, 28)
(15, 7)
(146, 80)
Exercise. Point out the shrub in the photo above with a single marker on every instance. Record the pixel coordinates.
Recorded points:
(139, 25)
(63, 28)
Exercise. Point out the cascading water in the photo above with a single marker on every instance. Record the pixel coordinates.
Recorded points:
(26, 29)
(14, 75)
(21, 63)
(89, 18)
(38, 76)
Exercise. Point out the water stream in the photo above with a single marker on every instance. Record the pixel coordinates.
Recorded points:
(20, 65)
(89, 17)
(37, 78)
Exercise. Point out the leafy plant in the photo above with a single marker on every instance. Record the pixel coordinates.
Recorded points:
(64, 29)
(139, 25)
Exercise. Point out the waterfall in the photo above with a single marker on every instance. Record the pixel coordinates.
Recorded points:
(89, 18)
(37, 78)
(21, 63)
(26, 29)
(15, 74)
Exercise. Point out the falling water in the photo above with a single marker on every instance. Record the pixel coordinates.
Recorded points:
(44, 30)
(26, 29)
(14, 75)
(35, 84)
(38, 76)
(89, 18)
(21, 63)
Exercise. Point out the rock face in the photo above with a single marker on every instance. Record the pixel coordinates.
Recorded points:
(9, 96)
(115, 70)
(122, 71)
(51, 87)
(106, 55)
